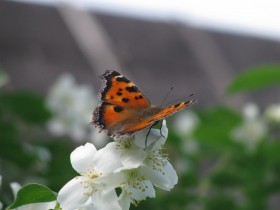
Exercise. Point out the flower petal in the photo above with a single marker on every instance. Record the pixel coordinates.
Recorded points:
(106, 199)
(82, 157)
(155, 137)
(107, 159)
(110, 181)
(132, 157)
(74, 195)
(15, 188)
(165, 178)
(124, 200)
(36, 206)
(143, 190)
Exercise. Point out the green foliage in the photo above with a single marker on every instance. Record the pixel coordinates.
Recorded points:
(23, 115)
(27, 106)
(216, 126)
(33, 193)
(256, 78)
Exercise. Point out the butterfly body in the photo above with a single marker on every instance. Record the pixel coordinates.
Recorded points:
(125, 109)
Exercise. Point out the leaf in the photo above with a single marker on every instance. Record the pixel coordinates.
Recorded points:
(256, 78)
(216, 125)
(12, 150)
(25, 105)
(33, 193)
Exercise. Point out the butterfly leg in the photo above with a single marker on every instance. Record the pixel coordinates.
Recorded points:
(150, 128)
(161, 128)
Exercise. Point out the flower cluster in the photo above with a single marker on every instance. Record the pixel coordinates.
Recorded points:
(128, 164)
(72, 106)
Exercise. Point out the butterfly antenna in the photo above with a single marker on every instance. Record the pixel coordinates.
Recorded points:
(164, 99)
(179, 99)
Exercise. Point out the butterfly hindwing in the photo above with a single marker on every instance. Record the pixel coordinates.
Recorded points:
(120, 91)
(110, 117)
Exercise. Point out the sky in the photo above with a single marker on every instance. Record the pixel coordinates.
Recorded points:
(260, 18)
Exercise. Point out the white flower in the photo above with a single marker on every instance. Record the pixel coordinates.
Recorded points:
(72, 107)
(272, 113)
(252, 130)
(95, 187)
(251, 111)
(185, 123)
(33, 206)
(144, 167)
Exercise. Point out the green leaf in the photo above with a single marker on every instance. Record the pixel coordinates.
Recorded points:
(33, 193)
(216, 125)
(256, 78)
(12, 150)
(25, 105)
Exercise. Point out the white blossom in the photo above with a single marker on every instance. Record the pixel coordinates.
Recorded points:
(185, 123)
(135, 164)
(144, 166)
(72, 106)
(95, 187)
(272, 113)
(253, 128)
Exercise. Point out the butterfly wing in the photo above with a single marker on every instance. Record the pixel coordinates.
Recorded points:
(154, 117)
(111, 117)
(125, 109)
(118, 90)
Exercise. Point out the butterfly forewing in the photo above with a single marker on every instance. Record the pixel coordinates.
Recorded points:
(120, 91)
(151, 119)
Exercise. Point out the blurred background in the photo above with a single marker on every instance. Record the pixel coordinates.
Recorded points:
(225, 148)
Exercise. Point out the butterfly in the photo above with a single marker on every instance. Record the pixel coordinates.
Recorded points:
(125, 109)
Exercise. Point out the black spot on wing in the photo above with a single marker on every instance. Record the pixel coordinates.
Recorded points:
(132, 89)
(122, 79)
(119, 93)
(118, 109)
(126, 100)
(176, 105)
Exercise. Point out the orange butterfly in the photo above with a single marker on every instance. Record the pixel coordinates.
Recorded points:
(124, 108)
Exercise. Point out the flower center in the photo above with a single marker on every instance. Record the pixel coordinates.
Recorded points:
(134, 180)
(124, 144)
(88, 184)
(158, 160)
